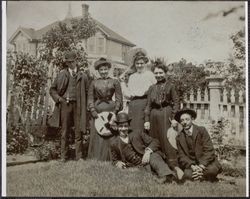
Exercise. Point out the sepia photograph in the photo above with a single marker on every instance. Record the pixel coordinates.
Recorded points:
(125, 99)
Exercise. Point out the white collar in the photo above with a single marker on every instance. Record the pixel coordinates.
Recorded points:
(190, 130)
(125, 140)
(70, 71)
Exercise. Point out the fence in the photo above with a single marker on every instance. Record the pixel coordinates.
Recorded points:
(215, 102)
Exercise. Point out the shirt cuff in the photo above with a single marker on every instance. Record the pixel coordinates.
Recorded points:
(149, 150)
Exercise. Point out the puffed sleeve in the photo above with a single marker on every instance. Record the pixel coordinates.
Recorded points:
(148, 107)
(118, 96)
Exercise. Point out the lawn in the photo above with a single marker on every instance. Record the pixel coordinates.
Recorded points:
(92, 178)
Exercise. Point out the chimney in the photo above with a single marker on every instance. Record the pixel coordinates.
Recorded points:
(85, 10)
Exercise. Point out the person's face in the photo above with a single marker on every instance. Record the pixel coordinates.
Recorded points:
(123, 129)
(140, 65)
(186, 121)
(71, 64)
(159, 74)
(103, 71)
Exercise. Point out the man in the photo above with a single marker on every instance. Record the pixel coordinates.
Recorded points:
(196, 153)
(137, 149)
(69, 91)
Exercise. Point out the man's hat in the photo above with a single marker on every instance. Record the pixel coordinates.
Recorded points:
(102, 61)
(185, 110)
(102, 123)
(70, 56)
(122, 117)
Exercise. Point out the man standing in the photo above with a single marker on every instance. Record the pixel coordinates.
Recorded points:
(69, 91)
(137, 149)
(195, 149)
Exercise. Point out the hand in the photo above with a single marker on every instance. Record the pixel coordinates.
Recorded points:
(179, 173)
(94, 114)
(174, 123)
(147, 125)
(146, 157)
(195, 168)
(120, 165)
(197, 175)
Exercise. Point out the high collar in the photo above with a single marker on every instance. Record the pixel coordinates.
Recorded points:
(162, 81)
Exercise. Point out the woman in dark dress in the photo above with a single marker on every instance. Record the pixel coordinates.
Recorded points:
(162, 104)
(100, 100)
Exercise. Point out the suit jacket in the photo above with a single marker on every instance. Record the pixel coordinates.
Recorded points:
(203, 147)
(57, 90)
(139, 140)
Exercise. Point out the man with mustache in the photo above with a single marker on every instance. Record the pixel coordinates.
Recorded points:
(196, 153)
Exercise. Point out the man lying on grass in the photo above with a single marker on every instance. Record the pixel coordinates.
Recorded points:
(137, 149)
(196, 153)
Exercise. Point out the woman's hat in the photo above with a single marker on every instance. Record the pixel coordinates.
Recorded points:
(101, 62)
(103, 123)
(140, 53)
(185, 110)
(122, 117)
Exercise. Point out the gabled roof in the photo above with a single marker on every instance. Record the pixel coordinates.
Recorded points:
(29, 32)
(36, 35)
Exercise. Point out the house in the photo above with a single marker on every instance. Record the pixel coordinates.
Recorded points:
(105, 43)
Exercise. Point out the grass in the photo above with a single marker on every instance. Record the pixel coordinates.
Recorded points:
(92, 178)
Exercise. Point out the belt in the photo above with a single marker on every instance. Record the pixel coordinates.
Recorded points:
(162, 105)
(139, 97)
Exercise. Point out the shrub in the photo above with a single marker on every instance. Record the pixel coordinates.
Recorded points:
(17, 140)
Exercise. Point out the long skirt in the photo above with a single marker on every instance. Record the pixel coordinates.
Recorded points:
(99, 146)
(136, 113)
(159, 125)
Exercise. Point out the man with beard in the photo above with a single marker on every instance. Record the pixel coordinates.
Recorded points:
(196, 153)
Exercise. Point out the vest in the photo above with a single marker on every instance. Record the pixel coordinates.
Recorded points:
(70, 93)
(130, 154)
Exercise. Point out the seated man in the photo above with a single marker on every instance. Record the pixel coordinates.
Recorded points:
(133, 149)
(196, 153)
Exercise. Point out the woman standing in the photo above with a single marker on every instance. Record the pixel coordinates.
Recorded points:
(162, 104)
(100, 95)
(138, 85)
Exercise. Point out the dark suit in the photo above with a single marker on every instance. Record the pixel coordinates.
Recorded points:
(64, 112)
(203, 153)
(139, 142)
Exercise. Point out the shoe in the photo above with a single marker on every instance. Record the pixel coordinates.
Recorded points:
(80, 159)
(170, 179)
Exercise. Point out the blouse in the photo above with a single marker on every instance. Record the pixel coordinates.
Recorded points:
(139, 83)
(103, 90)
(162, 94)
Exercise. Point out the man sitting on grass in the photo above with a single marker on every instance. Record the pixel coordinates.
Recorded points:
(137, 149)
(196, 153)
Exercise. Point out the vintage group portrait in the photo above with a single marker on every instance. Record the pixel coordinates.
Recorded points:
(125, 98)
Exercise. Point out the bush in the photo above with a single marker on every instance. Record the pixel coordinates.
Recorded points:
(229, 170)
(17, 140)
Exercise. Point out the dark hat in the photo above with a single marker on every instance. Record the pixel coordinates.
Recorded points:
(102, 61)
(70, 56)
(185, 110)
(122, 117)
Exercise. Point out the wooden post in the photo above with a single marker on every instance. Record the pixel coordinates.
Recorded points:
(214, 87)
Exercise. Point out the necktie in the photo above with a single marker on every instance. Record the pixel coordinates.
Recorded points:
(189, 133)
(73, 73)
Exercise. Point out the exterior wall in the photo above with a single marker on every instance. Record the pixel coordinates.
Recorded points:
(114, 50)
(23, 44)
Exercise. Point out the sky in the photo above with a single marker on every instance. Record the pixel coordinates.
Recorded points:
(168, 29)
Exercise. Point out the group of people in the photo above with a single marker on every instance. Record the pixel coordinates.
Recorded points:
(154, 135)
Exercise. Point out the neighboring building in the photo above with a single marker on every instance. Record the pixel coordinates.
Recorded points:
(105, 43)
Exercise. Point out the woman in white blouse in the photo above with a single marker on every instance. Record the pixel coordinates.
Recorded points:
(138, 85)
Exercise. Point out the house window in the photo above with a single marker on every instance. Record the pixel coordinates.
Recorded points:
(91, 44)
(100, 45)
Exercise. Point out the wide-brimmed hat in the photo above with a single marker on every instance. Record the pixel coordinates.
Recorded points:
(140, 54)
(101, 62)
(185, 110)
(102, 123)
(70, 56)
(122, 117)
